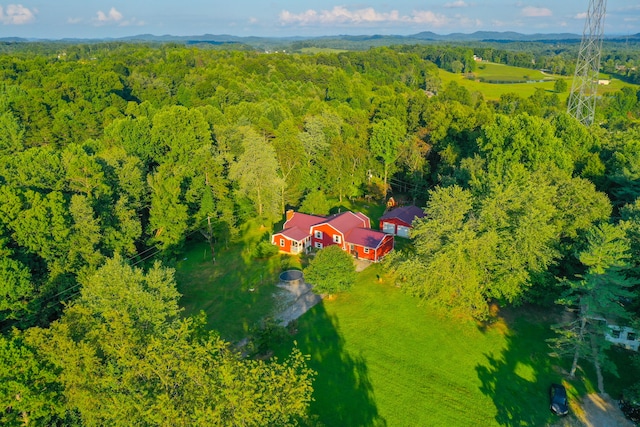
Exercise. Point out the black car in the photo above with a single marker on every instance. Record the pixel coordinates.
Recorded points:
(559, 404)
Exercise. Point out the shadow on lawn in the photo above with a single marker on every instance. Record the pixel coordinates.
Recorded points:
(518, 378)
(342, 390)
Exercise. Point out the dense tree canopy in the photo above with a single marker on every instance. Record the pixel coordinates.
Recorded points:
(113, 153)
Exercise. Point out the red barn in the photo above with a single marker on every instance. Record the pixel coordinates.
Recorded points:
(399, 221)
(351, 231)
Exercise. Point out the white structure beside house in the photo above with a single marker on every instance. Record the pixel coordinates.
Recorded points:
(624, 336)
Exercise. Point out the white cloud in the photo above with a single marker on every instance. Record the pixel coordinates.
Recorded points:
(428, 17)
(456, 4)
(17, 14)
(582, 15)
(115, 17)
(536, 12)
(253, 20)
(342, 15)
(74, 20)
(112, 16)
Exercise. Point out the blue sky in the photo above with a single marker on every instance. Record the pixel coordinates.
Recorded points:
(115, 18)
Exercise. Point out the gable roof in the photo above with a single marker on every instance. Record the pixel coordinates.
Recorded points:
(365, 237)
(406, 214)
(345, 221)
(293, 233)
(303, 221)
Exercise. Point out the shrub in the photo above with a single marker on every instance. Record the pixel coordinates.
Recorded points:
(265, 249)
(332, 270)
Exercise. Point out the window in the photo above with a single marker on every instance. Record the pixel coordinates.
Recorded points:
(615, 333)
(318, 245)
(631, 336)
(282, 243)
(366, 250)
(318, 234)
(337, 239)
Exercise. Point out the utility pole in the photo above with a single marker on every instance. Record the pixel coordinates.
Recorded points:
(582, 100)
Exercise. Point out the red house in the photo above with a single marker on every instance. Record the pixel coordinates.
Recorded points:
(351, 231)
(399, 221)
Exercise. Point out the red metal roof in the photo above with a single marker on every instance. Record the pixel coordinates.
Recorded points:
(345, 221)
(405, 214)
(303, 221)
(294, 233)
(365, 237)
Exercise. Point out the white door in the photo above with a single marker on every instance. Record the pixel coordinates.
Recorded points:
(389, 228)
(403, 231)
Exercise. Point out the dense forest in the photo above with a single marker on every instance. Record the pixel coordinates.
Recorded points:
(113, 154)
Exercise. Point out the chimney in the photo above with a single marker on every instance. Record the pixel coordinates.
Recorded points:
(290, 214)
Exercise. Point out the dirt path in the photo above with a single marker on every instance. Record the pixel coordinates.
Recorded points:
(595, 410)
(293, 302)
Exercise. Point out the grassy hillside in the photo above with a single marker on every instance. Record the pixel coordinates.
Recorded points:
(497, 72)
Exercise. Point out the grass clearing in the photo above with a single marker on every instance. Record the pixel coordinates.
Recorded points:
(236, 291)
(490, 71)
(384, 360)
(500, 72)
(381, 358)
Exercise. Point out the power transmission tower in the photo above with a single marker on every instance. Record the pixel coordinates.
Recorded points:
(582, 100)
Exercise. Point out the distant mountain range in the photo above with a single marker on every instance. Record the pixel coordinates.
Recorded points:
(262, 42)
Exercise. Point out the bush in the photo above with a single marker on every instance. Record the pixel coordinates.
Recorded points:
(332, 270)
(265, 335)
(265, 249)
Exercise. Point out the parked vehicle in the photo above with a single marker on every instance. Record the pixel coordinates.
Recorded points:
(559, 404)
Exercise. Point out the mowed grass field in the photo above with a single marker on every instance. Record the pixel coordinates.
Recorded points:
(499, 72)
(236, 291)
(381, 357)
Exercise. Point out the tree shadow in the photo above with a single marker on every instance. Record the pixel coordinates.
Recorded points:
(343, 394)
(518, 378)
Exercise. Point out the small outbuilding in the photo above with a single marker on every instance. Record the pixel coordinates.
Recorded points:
(399, 221)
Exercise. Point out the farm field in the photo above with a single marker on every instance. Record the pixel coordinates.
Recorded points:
(500, 72)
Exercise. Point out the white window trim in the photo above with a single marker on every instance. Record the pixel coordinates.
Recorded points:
(282, 243)
(366, 250)
(337, 239)
(318, 245)
(318, 234)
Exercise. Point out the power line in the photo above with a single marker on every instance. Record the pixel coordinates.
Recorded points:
(50, 299)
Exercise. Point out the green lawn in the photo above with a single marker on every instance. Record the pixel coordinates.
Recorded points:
(236, 291)
(490, 71)
(493, 91)
(384, 360)
(381, 358)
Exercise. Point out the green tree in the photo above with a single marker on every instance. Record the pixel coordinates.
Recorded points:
(596, 297)
(124, 337)
(449, 269)
(332, 270)
(257, 177)
(386, 138)
(85, 237)
(30, 387)
(168, 215)
(315, 203)
(11, 134)
(560, 85)
(16, 288)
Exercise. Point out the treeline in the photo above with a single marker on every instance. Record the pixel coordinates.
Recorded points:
(111, 153)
